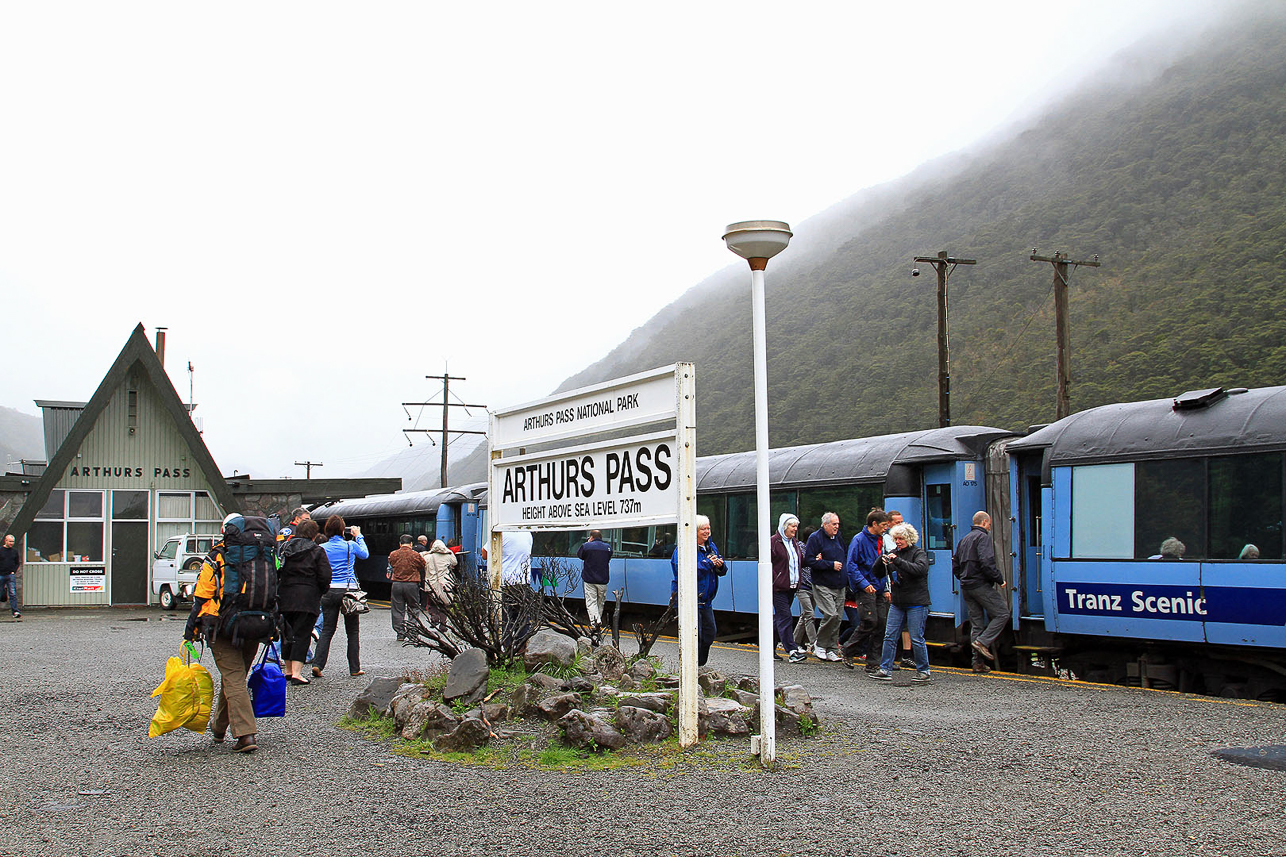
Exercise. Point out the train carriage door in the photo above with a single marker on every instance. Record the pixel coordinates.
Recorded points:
(938, 539)
(1027, 538)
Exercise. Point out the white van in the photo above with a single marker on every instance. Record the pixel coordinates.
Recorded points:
(175, 568)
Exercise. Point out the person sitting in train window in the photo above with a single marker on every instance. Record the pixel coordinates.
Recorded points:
(1171, 548)
(1249, 552)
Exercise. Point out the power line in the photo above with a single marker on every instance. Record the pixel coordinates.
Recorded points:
(446, 404)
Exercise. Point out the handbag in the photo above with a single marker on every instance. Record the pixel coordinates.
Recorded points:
(354, 602)
(267, 685)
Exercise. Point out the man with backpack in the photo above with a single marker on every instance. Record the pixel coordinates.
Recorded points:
(234, 609)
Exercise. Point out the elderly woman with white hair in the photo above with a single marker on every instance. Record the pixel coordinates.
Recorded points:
(787, 554)
(908, 567)
(710, 567)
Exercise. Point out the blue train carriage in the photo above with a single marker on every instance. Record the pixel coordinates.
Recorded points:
(439, 513)
(935, 478)
(1150, 536)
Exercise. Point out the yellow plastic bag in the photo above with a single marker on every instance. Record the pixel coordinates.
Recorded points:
(187, 694)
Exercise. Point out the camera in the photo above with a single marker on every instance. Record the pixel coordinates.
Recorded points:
(915, 272)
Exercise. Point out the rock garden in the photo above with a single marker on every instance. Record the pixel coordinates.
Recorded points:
(565, 703)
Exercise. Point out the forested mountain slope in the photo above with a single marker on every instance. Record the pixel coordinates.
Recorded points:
(1175, 176)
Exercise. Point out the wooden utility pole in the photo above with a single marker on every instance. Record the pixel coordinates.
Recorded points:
(944, 265)
(1062, 326)
(309, 465)
(447, 405)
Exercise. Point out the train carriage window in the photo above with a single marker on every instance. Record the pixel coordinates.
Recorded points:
(545, 543)
(851, 502)
(1170, 501)
(937, 517)
(634, 541)
(743, 522)
(714, 507)
(662, 546)
(1103, 511)
(1246, 505)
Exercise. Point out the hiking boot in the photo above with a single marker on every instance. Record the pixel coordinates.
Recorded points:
(983, 650)
(245, 744)
(849, 662)
(798, 656)
(921, 678)
(980, 667)
(881, 675)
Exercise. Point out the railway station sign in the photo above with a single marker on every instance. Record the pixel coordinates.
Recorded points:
(609, 484)
(635, 400)
(560, 464)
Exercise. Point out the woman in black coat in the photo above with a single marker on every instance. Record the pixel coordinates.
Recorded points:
(908, 567)
(303, 578)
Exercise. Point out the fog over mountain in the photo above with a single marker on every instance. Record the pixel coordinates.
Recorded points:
(1170, 166)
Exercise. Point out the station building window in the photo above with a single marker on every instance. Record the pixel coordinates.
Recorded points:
(180, 512)
(68, 529)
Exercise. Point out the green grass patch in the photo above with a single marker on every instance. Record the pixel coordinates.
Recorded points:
(372, 726)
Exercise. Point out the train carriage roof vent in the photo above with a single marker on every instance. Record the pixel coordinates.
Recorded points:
(1195, 399)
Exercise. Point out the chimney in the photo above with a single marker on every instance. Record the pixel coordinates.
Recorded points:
(160, 344)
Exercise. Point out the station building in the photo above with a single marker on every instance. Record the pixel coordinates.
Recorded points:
(126, 471)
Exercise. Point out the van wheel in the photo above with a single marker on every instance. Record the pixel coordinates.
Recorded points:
(192, 565)
(168, 601)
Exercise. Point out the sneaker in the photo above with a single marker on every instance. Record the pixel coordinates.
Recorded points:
(908, 663)
(983, 650)
(881, 675)
(17, 616)
(819, 652)
(315, 635)
(833, 657)
(849, 662)
(921, 678)
(798, 656)
(871, 669)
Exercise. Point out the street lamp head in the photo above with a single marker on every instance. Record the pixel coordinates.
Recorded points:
(757, 240)
(915, 272)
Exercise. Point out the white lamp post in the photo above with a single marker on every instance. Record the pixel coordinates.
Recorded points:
(757, 241)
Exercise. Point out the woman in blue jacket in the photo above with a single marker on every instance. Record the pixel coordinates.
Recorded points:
(342, 555)
(710, 567)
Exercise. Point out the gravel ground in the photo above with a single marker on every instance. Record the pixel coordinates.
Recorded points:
(985, 765)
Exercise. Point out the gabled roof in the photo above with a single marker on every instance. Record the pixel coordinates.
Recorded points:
(137, 352)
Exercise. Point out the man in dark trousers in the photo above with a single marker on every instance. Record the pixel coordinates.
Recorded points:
(826, 554)
(10, 565)
(975, 566)
(868, 578)
(596, 556)
(406, 570)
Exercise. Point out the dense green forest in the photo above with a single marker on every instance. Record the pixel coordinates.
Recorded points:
(1173, 173)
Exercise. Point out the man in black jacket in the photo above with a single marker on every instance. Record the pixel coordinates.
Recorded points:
(10, 565)
(975, 565)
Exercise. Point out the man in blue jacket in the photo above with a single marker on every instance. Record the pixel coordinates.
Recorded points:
(596, 558)
(825, 556)
(868, 579)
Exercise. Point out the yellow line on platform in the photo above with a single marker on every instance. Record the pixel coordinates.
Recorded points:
(1018, 677)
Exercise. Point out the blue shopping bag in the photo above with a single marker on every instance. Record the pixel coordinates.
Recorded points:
(267, 686)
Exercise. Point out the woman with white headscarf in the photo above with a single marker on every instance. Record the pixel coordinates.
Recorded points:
(787, 567)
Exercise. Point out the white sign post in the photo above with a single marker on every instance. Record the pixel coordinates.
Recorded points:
(575, 481)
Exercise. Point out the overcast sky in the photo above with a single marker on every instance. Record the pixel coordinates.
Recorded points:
(326, 202)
